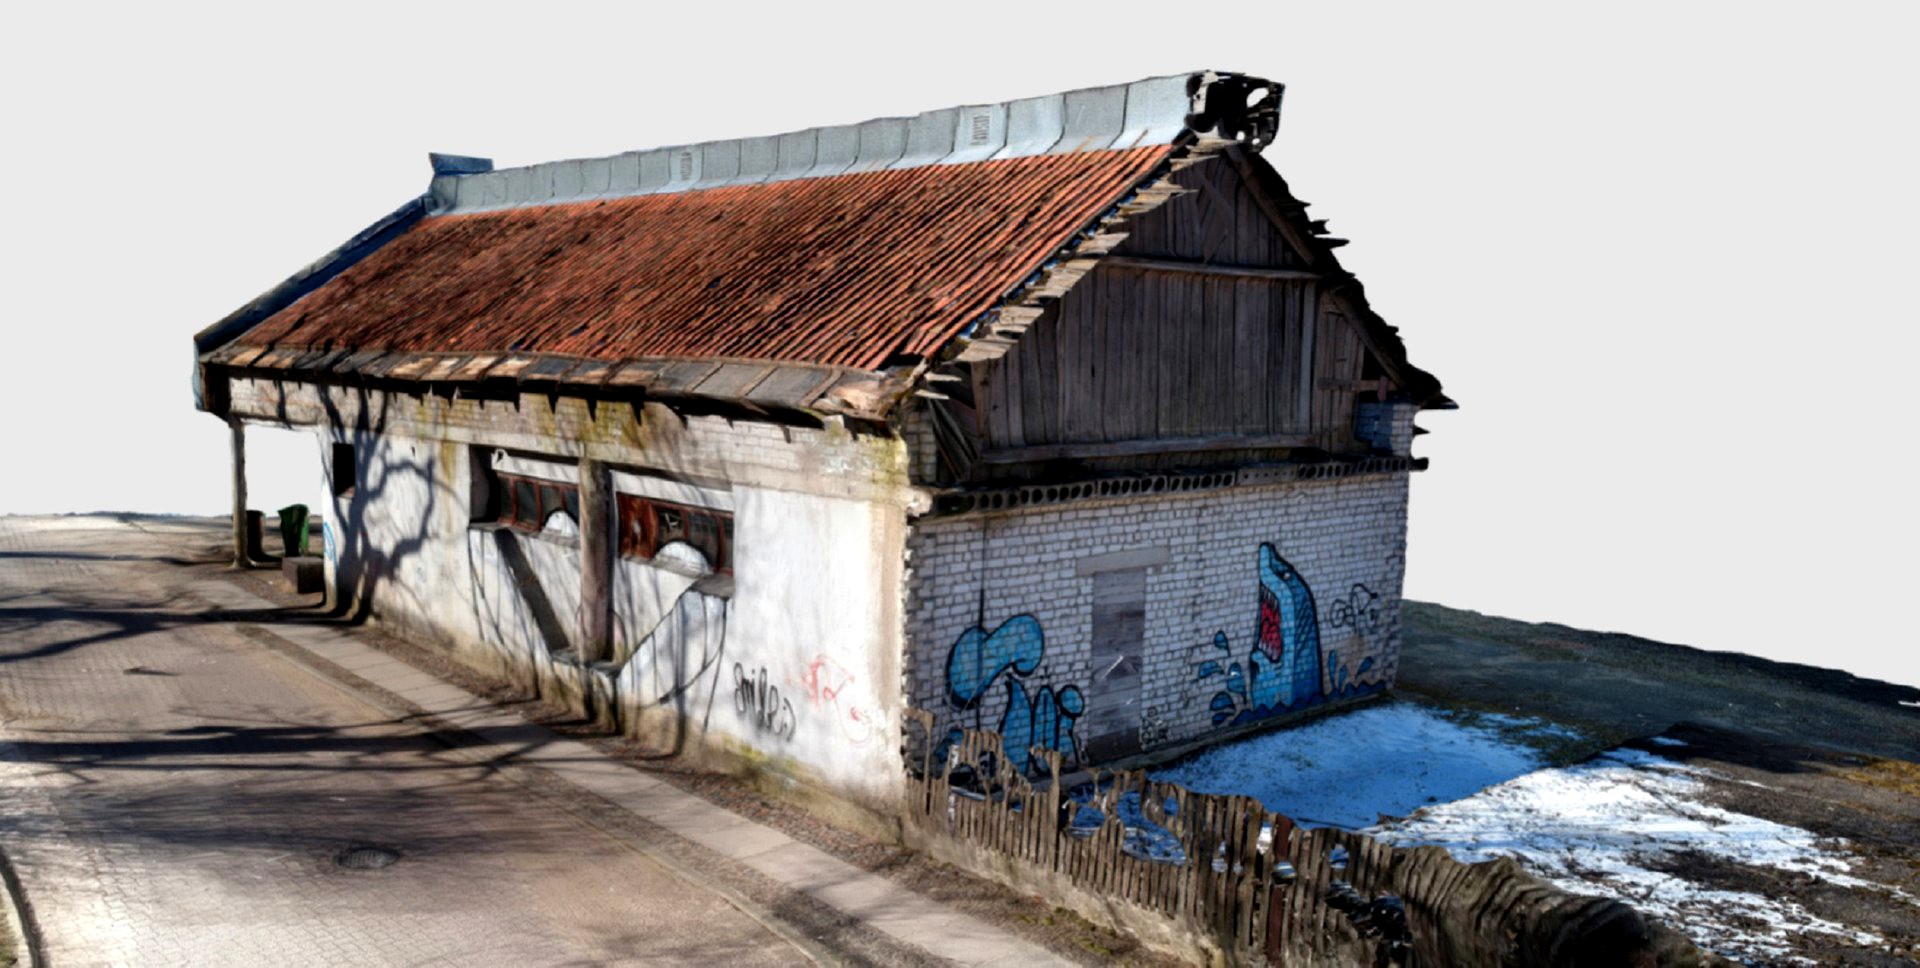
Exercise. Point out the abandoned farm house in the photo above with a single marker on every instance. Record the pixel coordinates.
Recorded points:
(1055, 417)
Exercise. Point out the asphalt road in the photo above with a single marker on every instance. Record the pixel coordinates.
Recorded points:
(172, 793)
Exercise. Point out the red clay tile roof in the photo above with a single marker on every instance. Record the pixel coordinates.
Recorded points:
(845, 270)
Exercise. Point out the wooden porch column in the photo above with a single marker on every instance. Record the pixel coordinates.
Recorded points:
(596, 562)
(238, 434)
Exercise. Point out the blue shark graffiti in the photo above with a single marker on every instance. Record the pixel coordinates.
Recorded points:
(1044, 718)
(1283, 669)
(1288, 639)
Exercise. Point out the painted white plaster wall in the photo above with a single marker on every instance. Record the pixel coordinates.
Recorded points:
(644, 593)
(797, 665)
(796, 660)
(1346, 538)
(811, 665)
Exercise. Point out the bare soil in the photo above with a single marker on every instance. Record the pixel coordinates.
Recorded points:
(1814, 748)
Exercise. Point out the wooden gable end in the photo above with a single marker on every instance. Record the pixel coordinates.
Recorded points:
(1207, 330)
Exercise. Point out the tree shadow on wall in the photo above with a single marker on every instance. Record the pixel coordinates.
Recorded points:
(371, 545)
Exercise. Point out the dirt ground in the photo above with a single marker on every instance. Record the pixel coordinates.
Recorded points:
(1813, 748)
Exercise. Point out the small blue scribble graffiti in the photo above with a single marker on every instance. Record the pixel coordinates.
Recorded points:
(1284, 669)
(1043, 717)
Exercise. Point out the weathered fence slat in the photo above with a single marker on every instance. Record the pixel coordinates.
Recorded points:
(1221, 889)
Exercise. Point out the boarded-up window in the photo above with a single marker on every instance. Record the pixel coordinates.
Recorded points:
(1111, 725)
(648, 524)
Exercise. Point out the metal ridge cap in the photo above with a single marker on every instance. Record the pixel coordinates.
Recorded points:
(1153, 110)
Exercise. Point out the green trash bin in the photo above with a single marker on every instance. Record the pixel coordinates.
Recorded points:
(293, 530)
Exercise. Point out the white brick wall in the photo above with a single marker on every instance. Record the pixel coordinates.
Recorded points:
(1386, 426)
(1346, 538)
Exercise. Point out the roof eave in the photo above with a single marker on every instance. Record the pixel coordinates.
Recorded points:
(289, 291)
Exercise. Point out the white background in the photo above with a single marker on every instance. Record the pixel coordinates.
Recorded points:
(1662, 254)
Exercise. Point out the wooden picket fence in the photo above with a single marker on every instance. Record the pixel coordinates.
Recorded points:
(1233, 881)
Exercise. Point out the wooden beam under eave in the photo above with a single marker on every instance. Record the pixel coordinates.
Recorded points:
(1189, 268)
(1144, 447)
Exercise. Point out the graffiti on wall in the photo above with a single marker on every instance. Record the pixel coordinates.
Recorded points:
(1285, 669)
(826, 684)
(1359, 613)
(1041, 717)
(760, 701)
(1358, 610)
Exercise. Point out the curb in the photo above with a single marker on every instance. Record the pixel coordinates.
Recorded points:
(19, 918)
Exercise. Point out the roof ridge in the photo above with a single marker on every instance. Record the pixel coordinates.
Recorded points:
(1154, 110)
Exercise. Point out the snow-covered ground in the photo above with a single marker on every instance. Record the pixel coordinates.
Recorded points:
(1481, 786)
(1615, 824)
(1388, 758)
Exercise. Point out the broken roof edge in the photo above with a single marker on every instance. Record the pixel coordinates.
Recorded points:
(1156, 110)
(1381, 337)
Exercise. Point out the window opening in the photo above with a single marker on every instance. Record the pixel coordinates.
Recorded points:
(341, 460)
(526, 503)
(648, 524)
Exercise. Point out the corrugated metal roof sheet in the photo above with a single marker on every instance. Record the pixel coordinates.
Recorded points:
(844, 270)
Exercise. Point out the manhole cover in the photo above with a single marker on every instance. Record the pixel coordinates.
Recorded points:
(366, 858)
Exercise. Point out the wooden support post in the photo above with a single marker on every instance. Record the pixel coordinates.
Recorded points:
(238, 435)
(596, 562)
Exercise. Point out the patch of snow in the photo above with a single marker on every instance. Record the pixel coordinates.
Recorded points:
(1666, 741)
(1915, 703)
(1144, 839)
(1608, 825)
(561, 523)
(1389, 758)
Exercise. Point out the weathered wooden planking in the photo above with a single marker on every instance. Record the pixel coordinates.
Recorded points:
(1252, 329)
(1169, 357)
(1303, 375)
(1070, 362)
(1336, 369)
(1282, 355)
(1257, 242)
(1157, 344)
(1151, 265)
(1212, 402)
(1030, 404)
(1151, 319)
(1219, 218)
(1122, 318)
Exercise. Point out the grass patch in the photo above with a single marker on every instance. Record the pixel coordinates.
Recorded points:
(1897, 775)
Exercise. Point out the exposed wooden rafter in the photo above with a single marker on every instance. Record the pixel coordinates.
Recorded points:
(1189, 268)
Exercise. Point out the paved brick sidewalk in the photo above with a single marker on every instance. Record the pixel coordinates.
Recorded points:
(173, 794)
(175, 791)
(872, 899)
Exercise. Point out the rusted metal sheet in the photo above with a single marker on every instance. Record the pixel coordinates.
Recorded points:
(845, 270)
(818, 269)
